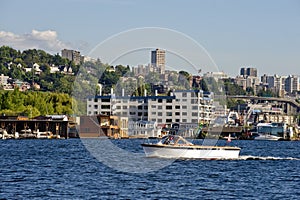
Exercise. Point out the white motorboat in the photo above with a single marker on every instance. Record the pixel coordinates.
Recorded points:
(266, 136)
(269, 131)
(43, 134)
(174, 146)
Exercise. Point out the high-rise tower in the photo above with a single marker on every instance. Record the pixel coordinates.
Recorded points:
(158, 59)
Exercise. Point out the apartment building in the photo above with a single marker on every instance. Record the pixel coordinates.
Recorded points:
(158, 59)
(72, 55)
(292, 84)
(182, 106)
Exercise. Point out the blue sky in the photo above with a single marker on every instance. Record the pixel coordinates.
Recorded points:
(261, 33)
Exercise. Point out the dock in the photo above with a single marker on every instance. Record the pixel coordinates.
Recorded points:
(15, 125)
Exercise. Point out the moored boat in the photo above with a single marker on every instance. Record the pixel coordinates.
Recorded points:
(269, 131)
(174, 146)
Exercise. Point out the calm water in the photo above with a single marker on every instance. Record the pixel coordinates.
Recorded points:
(64, 169)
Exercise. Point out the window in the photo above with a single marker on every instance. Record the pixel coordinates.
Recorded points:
(184, 94)
(95, 100)
(95, 106)
(169, 107)
(194, 101)
(105, 100)
(140, 107)
(194, 107)
(168, 120)
(105, 106)
(153, 106)
(118, 107)
(159, 114)
(183, 120)
(159, 107)
(194, 121)
(140, 114)
(177, 107)
(153, 113)
(169, 100)
(159, 100)
(169, 113)
(184, 107)
(184, 113)
(177, 113)
(194, 114)
(125, 107)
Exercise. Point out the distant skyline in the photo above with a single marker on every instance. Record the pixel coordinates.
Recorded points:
(261, 34)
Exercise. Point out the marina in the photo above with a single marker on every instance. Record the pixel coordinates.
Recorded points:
(43, 127)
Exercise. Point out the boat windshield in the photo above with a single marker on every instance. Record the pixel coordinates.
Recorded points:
(174, 140)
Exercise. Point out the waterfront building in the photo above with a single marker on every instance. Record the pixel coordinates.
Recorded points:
(143, 128)
(182, 106)
(158, 59)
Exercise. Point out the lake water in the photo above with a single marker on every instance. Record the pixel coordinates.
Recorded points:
(65, 169)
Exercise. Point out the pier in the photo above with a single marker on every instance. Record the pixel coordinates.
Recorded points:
(57, 125)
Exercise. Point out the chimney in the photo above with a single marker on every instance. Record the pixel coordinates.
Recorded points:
(100, 89)
(111, 91)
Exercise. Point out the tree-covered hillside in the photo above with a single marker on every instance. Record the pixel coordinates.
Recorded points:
(34, 103)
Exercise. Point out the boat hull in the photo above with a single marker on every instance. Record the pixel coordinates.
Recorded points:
(267, 137)
(191, 152)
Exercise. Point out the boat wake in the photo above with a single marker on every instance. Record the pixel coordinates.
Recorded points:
(265, 158)
(246, 158)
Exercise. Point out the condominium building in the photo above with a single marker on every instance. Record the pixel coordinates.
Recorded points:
(182, 106)
(248, 81)
(249, 71)
(275, 83)
(216, 75)
(292, 84)
(158, 59)
(72, 55)
(3, 79)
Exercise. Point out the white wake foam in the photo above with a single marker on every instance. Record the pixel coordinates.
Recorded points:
(266, 158)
